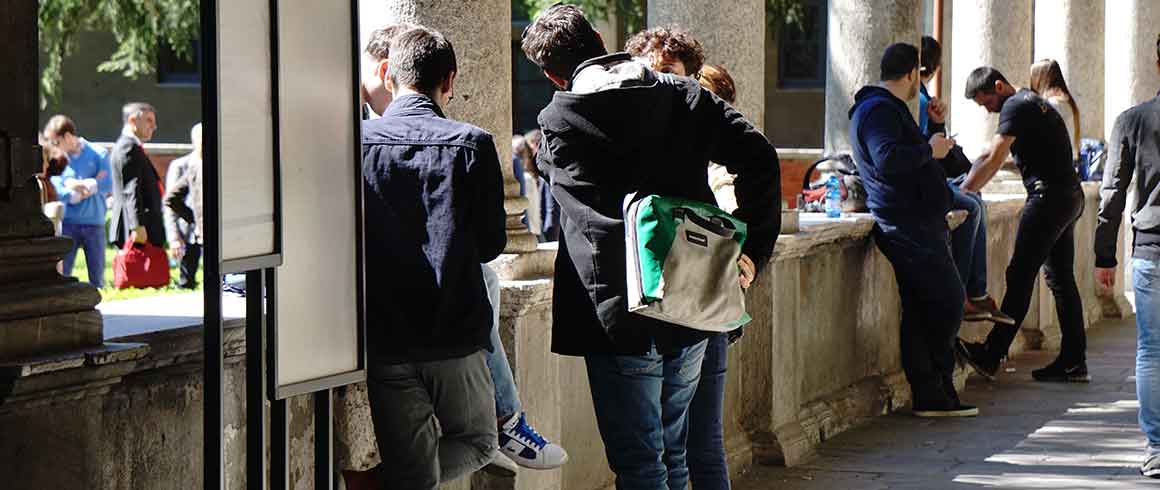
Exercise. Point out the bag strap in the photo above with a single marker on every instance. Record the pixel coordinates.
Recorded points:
(715, 224)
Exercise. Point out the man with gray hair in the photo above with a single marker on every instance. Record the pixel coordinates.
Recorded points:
(137, 207)
(183, 231)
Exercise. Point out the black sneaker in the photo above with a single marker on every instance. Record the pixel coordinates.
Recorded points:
(976, 356)
(1060, 372)
(946, 411)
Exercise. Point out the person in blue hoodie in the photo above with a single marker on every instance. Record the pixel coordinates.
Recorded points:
(82, 188)
(909, 199)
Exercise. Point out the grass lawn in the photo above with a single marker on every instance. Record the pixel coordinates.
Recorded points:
(109, 293)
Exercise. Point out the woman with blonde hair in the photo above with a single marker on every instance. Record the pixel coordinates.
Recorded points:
(1047, 81)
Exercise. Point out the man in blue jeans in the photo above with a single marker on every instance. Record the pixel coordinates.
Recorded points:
(1134, 149)
(82, 188)
(615, 128)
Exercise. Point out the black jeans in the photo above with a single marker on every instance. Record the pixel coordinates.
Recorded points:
(1046, 237)
(189, 264)
(932, 304)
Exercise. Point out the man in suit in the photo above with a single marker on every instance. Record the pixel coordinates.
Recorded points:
(183, 211)
(137, 207)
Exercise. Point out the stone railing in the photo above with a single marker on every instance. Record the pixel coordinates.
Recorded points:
(820, 356)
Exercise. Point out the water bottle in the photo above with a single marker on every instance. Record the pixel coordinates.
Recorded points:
(833, 198)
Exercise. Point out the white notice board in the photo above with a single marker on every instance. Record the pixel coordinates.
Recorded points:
(246, 143)
(318, 335)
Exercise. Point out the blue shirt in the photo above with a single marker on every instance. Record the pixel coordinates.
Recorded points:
(87, 164)
(923, 102)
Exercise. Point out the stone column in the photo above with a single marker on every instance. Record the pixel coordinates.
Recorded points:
(1072, 33)
(480, 31)
(989, 32)
(859, 32)
(733, 33)
(1130, 56)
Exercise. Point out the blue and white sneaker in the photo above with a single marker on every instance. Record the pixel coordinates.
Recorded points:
(520, 442)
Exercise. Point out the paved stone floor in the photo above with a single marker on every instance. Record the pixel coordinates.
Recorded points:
(1029, 435)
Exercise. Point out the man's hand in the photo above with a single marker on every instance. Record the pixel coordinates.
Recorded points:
(748, 271)
(75, 185)
(937, 111)
(940, 145)
(139, 235)
(1106, 276)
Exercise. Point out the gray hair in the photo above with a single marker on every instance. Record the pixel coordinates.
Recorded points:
(134, 109)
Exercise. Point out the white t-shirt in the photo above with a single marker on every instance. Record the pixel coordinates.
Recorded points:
(1062, 106)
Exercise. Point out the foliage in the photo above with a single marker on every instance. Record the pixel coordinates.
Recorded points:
(139, 27)
(632, 12)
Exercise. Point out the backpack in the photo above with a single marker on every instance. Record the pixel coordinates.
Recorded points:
(682, 263)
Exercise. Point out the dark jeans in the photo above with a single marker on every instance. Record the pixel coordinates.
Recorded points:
(642, 406)
(434, 421)
(189, 264)
(932, 305)
(91, 239)
(706, 446)
(1046, 238)
(969, 241)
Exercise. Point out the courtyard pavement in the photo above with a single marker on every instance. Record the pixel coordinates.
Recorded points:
(1029, 435)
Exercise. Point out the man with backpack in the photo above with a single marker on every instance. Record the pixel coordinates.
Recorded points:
(615, 129)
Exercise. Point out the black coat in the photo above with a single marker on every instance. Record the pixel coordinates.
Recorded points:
(623, 129)
(136, 193)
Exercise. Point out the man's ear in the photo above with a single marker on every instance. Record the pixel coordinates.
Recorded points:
(382, 70)
(449, 83)
(559, 82)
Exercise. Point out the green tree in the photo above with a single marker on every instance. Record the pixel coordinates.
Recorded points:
(139, 27)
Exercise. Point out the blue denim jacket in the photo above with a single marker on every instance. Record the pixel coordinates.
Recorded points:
(433, 212)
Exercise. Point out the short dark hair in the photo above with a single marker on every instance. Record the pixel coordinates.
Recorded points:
(1158, 47)
(931, 55)
(672, 42)
(899, 60)
(982, 80)
(560, 39)
(421, 58)
(60, 125)
(379, 47)
(135, 109)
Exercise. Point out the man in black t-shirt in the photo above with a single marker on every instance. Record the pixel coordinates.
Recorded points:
(1037, 136)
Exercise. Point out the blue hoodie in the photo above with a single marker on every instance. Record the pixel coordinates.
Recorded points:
(87, 164)
(904, 183)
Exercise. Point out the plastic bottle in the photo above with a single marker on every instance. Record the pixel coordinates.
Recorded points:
(833, 198)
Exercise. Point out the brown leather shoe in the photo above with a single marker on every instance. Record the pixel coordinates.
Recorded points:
(986, 309)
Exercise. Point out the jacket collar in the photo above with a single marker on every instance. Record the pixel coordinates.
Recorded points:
(413, 105)
(599, 60)
(126, 132)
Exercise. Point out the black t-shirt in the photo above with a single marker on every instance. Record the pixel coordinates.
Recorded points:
(1042, 146)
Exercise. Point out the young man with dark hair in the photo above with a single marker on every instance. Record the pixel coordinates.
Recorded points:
(1134, 149)
(82, 188)
(433, 213)
(137, 207)
(616, 128)
(520, 443)
(969, 240)
(908, 196)
(668, 49)
(1037, 136)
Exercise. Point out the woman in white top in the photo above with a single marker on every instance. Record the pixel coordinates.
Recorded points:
(1047, 81)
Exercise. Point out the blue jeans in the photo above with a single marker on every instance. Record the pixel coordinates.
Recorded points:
(91, 238)
(507, 398)
(642, 405)
(707, 467)
(969, 241)
(1146, 282)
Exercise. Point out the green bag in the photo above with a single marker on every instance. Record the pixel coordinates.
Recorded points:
(682, 263)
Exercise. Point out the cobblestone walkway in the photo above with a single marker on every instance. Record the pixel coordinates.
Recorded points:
(1029, 435)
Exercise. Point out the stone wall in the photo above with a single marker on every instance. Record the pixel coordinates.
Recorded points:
(820, 357)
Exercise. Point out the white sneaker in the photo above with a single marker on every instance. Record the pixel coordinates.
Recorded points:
(520, 442)
(1151, 466)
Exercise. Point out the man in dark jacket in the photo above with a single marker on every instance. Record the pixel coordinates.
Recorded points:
(433, 213)
(617, 128)
(137, 213)
(1135, 150)
(908, 196)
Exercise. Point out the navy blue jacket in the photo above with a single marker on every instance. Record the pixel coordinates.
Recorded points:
(904, 183)
(433, 212)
